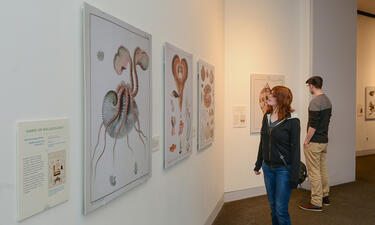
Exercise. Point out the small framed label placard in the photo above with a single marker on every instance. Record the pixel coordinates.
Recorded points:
(239, 116)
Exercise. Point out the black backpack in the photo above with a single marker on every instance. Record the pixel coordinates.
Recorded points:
(302, 173)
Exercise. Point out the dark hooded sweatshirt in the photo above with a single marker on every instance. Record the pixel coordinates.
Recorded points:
(282, 139)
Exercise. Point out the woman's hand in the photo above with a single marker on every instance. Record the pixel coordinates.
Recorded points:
(256, 172)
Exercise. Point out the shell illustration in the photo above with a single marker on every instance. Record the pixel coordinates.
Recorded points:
(110, 107)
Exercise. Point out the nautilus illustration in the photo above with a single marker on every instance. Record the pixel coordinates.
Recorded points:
(120, 113)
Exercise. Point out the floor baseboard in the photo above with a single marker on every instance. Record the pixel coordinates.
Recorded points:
(215, 212)
(242, 194)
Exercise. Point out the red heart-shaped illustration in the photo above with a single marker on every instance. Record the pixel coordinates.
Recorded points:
(180, 74)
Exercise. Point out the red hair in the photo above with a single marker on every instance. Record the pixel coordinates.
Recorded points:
(284, 98)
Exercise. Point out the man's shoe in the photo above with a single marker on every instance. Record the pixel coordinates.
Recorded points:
(310, 207)
(326, 201)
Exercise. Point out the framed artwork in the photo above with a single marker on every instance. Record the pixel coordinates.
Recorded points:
(178, 104)
(118, 117)
(370, 103)
(206, 104)
(261, 86)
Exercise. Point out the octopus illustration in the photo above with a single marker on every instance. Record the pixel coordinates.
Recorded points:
(263, 97)
(120, 113)
(180, 74)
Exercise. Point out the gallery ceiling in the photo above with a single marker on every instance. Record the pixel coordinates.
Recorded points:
(367, 6)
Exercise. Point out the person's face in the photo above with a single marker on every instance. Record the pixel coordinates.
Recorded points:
(272, 100)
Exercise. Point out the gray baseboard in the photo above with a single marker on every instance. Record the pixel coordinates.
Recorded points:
(215, 212)
(307, 184)
(242, 194)
(365, 152)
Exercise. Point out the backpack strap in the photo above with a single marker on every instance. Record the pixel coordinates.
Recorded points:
(269, 133)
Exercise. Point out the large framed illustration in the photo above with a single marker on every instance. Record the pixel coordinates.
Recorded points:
(178, 105)
(370, 103)
(118, 115)
(261, 86)
(206, 104)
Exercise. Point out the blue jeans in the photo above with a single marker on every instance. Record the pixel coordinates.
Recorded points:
(278, 193)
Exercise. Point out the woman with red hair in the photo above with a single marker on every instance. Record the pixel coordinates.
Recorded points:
(279, 153)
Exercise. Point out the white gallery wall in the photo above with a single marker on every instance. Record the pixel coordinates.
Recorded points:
(261, 37)
(334, 32)
(365, 78)
(42, 70)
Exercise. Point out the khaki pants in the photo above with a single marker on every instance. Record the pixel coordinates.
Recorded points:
(315, 155)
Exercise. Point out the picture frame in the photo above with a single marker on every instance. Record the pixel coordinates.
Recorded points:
(206, 104)
(116, 108)
(178, 128)
(259, 84)
(370, 103)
